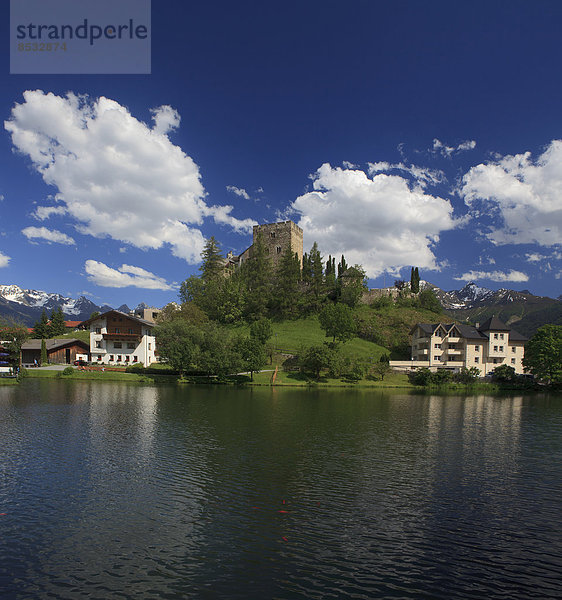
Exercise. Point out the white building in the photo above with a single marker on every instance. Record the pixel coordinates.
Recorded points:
(453, 346)
(117, 338)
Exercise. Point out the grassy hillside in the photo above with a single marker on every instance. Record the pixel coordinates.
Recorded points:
(290, 336)
(381, 331)
(390, 326)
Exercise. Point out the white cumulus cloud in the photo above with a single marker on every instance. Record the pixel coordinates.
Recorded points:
(115, 175)
(4, 260)
(125, 276)
(525, 194)
(498, 276)
(381, 222)
(49, 235)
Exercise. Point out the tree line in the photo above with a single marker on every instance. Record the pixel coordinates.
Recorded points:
(256, 289)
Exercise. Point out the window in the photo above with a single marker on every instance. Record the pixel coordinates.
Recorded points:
(99, 357)
(438, 346)
(118, 358)
(513, 349)
(278, 249)
(130, 330)
(98, 344)
(476, 359)
(117, 345)
(130, 346)
(501, 336)
(149, 346)
(98, 329)
(501, 348)
(512, 361)
(272, 234)
(495, 336)
(495, 348)
(476, 348)
(135, 359)
(117, 330)
(437, 357)
(111, 358)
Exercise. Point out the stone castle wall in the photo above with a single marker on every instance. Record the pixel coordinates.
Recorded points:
(277, 236)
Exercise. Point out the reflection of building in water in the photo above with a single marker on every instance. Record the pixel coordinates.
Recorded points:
(482, 432)
(120, 412)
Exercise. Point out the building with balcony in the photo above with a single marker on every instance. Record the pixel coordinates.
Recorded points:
(117, 338)
(453, 346)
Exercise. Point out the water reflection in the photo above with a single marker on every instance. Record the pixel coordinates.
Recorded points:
(161, 491)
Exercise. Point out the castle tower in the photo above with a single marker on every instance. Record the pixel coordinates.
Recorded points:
(278, 236)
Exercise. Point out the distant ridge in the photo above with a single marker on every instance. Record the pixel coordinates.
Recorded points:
(25, 305)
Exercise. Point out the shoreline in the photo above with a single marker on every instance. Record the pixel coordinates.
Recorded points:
(263, 380)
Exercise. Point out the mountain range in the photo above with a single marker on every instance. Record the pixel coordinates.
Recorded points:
(26, 306)
(522, 310)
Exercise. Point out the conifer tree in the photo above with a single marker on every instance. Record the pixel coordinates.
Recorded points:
(306, 276)
(213, 261)
(41, 329)
(330, 278)
(257, 275)
(342, 266)
(287, 284)
(44, 356)
(317, 273)
(57, 326)
(414, 281)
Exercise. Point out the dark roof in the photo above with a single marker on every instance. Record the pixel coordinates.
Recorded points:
(470, 332)
(54, 344)
(118, 312)
(493, 324)
(515, 336)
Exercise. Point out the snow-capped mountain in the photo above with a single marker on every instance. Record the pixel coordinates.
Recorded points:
(26, 306)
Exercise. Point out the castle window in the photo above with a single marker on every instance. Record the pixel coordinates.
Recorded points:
(272, 234)
(278, 249)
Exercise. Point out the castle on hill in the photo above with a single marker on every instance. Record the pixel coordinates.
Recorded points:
(277, 237)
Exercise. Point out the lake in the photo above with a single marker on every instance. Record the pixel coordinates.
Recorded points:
(147, 492)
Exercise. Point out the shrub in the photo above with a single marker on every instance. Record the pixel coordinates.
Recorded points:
(504, 373)
(467, 375)
(382, 302)
(68, 371)
(421, 376)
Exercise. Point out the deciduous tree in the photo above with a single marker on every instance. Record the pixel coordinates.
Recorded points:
(338, 322)
(543, 354)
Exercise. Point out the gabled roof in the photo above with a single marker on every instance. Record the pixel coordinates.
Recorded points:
(493, 324)
(121, 314)
(54, 344)
(470, 332)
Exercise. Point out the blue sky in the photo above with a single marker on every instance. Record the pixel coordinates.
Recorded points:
(400, 133)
